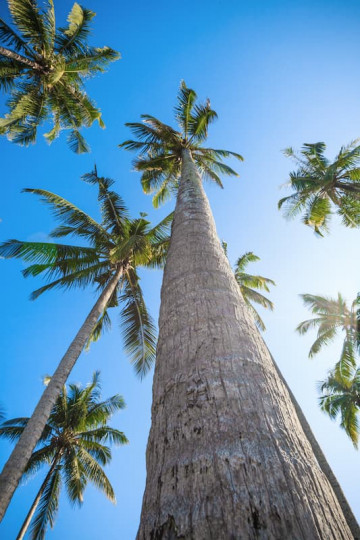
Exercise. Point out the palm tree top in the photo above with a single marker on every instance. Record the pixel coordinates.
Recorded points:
(160, 147)
(76, 440)
(116, 241)
(320, 185)
(44, 68)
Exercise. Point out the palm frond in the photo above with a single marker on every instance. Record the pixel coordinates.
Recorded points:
(48, 507)
(137, 326)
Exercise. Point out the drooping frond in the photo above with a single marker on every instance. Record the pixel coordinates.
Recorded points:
(48, 507)
(137, 326)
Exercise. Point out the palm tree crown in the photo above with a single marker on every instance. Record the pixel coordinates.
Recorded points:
(321, 185)
(341, 396)
(44, 71)
(248, 283)
(116, 242)
(333, 315)
(75, 445)
(160, 146)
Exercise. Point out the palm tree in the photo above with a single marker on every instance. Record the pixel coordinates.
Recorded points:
(321, 186)
(341, 396)
(248, 282)
(226, 455)
(44, 71)
(117, 246)
(74, 444)
(332, 316)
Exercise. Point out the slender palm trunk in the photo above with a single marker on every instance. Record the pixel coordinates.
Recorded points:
(19, 58)
(227, 457)
(34, 505)
(16, 464)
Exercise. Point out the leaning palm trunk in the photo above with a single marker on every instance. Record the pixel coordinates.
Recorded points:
(36, 501)
(17, 462)
(226, 456)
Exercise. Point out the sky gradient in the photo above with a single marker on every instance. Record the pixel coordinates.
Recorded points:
(279, 74)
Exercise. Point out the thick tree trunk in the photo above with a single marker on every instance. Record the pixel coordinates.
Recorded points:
(34, 505)
(19, 58)
(16, 464)
(227, 457)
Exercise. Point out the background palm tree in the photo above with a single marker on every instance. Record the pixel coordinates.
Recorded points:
(248, 283)
(321, 185)
(206, 448)
(44, 71)
(341, 397)
(116, 247)
(332, 316)
(74, 444)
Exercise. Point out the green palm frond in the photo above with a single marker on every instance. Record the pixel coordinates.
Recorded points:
(137, 326)
(48, 507)
(248, 284)
(73, 39)
(71, 215)
(340, 396)
(94, 473)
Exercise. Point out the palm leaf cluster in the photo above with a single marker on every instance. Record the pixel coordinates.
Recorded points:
(44, 68)
(160, 147)
(116, 241)
(340, 391)
(341, 397)
(75, 444)
(320, 186)
(250, 284)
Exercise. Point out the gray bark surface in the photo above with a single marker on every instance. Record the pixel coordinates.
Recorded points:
(15, 466)
(19, 58)
(226, 457)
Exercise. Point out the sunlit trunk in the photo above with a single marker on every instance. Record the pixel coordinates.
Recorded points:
(227, 457)
(17, 462)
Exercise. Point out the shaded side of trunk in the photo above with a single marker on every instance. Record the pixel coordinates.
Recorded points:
(226, 457)
(17, 462)
(322, 461)
(34, 505)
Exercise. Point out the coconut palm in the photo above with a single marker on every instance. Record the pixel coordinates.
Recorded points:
(321, 186)
(74, 444)
(341, 397)
(224, 431)
(44, 72)
(116, 247)
(162, 149)
(331, 317)
(248, 283)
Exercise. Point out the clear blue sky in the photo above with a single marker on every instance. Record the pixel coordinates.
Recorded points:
(278, 73)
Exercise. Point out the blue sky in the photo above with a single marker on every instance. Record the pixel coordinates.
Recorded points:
(278, 73)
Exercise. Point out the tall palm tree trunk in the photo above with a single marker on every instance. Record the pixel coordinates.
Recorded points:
(34, 505)
(19, 58)
(17, 461)
(226, 456)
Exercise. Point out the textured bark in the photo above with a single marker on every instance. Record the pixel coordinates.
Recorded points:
(19, 58)
(226, 457)
(17, 462)
(34, 505)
